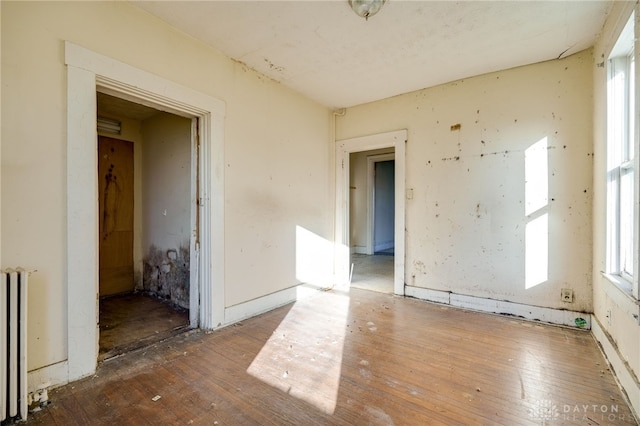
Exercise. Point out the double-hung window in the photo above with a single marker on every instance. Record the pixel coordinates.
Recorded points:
(621, 150)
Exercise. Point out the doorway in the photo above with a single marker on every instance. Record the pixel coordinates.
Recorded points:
(88, 72)
(372, 219)
(355, 215)
(381, 184)
(145, 177)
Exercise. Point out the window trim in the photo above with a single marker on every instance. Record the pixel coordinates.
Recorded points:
(622, 157)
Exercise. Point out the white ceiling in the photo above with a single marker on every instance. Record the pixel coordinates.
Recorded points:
(323, 50)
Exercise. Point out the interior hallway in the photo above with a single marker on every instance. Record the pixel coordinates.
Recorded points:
(352, 358)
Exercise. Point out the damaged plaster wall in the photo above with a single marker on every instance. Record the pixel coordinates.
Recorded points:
(616, 311)
(166, 207)
(500, 166)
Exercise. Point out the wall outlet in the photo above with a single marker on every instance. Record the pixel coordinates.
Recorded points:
(567, 295)
(608, 316)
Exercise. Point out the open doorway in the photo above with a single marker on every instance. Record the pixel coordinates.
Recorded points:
(356, 160)
(372, 219)
(146, 173)
(87, 73)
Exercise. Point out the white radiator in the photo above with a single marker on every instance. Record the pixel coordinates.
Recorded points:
(13, 344)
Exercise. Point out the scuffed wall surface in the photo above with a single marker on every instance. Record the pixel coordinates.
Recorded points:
(166, 274)
(278, 187)
(475, 225)
(276, 146)
(613, 308)
(166, 207)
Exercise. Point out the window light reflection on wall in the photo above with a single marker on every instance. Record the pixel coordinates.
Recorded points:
(537, 213)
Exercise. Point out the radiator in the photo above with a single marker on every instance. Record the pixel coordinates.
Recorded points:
(13, 344)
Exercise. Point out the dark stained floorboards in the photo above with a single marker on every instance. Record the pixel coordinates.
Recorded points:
(360, 358)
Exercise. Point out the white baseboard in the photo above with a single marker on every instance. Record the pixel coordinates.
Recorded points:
(57, 374)
(619, 366)
(535, 313)
(266, 303)
(359, 250)
(48, 377)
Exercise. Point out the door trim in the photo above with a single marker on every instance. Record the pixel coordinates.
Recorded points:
(87, 73)
(397, 140)
(371, 197)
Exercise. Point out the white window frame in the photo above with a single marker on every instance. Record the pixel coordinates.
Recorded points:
(622, 149)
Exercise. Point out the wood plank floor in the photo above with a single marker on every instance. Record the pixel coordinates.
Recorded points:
(130, 321)
(357, 358)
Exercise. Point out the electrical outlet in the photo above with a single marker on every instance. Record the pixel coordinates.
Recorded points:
(567, 295)
(608, 316)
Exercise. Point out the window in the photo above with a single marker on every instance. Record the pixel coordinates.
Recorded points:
(621, 148)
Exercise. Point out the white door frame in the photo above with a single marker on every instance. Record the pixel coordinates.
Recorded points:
(371, 197)
(344, 148)
(87, 73)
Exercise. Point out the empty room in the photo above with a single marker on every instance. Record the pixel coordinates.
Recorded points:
(319, 212)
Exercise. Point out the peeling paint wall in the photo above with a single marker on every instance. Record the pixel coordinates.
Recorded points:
(615, 311)
(501, 171)
(166, 274)
(166, 207)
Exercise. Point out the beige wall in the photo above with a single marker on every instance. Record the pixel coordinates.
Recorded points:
(1, 119)
(166, 207)
(166, 182)
(277, 152)
(613, 308)
(467, 223)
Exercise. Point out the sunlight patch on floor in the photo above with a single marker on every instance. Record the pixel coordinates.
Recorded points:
(303, 356)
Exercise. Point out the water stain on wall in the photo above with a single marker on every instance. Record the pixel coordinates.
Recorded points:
(166, 274)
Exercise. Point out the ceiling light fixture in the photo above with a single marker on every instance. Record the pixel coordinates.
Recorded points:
(107, 125)
(366, 8)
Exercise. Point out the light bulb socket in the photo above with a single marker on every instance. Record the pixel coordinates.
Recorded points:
(366, 8)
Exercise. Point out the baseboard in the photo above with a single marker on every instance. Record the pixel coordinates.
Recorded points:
(57, 374)
(260, 305)
(534, 313)
(358, 250)
(626, 379)
(48, 377)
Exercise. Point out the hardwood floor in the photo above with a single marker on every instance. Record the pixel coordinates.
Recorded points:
(358, 358)
(134, 320)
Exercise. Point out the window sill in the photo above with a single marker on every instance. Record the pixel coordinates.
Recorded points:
(624, 287)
